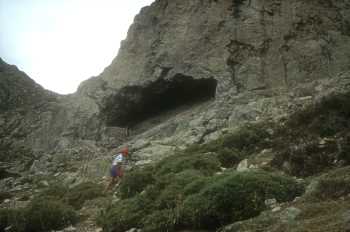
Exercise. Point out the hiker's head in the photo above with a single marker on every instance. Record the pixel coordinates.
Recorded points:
(124, 151)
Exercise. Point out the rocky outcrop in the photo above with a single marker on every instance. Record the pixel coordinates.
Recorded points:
(250, 59)
(245, 45)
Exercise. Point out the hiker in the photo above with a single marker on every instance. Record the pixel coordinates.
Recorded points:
(117, 168)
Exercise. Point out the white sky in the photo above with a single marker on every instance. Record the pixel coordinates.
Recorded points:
(60, 43)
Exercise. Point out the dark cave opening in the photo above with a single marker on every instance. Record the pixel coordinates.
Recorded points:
(134, 104)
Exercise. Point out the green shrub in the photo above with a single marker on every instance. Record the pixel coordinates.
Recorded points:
(77, 195)
(162, 220)
(332, 185)
(136, 181)
(195, 186)
(306, 157)
(332, 188)
(329, 116)
(229, 157)
(46, 215)
(55, 191)
(172, 195)
(13, 218)
(236, 196)
(246, 139)
(218, 200)
(125, 214)
(297, 141)
(206, 163)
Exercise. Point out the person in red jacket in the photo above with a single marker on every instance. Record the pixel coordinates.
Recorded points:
(117, 170)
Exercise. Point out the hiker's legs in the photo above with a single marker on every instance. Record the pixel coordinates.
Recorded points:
(112, 183)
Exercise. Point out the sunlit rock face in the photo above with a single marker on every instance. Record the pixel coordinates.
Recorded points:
(246, 45)
(260, 57)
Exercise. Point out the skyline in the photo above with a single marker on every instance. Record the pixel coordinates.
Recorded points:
(60, 43)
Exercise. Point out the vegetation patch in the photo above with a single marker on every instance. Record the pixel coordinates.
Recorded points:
(46, 215)
(236, 196)
(332, 186)
(13, 218)
(75, 196)
(190, 199)
(40, 215)
(135, 181)
(206, 163)
(314, 139)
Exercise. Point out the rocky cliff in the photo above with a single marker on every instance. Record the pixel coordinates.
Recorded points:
(244, 59)
(190, 73)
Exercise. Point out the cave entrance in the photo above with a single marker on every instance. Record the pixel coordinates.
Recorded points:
(134, 104)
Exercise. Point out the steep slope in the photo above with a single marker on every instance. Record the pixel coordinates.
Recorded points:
(18, 90)
(22, 109)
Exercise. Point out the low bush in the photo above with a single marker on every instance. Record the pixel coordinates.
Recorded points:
(46, 215)
(12, 217)
(326, 118)
(246, 139)
(306, 157)
(172, 193)
(229, 157)
(297, 141)
(125, 214)
(136, 181)
(162, 220)
(236, 196)
(55, 191)
(176, 203)
(332, 188)
(332, 185)
(77, 195)
(39, 215)
(207, 163)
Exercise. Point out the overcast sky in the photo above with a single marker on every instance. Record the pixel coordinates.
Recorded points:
(60, 43)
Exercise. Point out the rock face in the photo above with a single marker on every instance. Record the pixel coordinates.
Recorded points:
(24, 108)
(188, 71)
(252, 59)
(244, 45)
